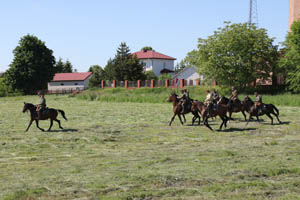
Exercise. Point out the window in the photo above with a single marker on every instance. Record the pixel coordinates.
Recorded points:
(62, 84)
(76, 83)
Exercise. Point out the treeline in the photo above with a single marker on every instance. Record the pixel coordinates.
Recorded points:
(34, 65)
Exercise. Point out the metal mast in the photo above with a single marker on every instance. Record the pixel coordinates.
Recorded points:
(253, 14)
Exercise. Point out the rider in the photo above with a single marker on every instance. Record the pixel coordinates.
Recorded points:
(258, 102)
(208, 101)
(234, 96)
(41, 106)
(215, 95)
(184, 99)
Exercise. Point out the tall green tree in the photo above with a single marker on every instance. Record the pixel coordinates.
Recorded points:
(290, 58)
(97, 77)
(59, 66)
(68, 67)
(236, 54)
(124, 66)
(32, 67)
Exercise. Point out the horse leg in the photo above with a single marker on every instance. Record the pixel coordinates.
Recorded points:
(226, 120)
(243, 112)
(172, 119)
(277, 117)
(250, 117)
(180, 119)
(51, 123)
(222, 118)
(37, 125)
(230, 114)
(205, 121)
(58, 121)
(270, 118)
(183, 118)
(29, 125)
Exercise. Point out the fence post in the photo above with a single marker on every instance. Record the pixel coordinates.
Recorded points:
(152, 83)
(197, 82)
(126, 84)
(181, 83)
(102, 84)
(139, 83)
(214, 83)
(167, 83)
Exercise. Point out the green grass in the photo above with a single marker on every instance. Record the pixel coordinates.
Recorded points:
(160, 95)
(128, 151)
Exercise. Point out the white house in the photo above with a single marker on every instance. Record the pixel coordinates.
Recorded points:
(157, 62)
(188, 73)
(70, 81)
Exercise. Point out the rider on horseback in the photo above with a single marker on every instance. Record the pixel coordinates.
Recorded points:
(208, 101)
(258, 103)
(215, 95)
(234, 97)
(41, 107)
(184, 100)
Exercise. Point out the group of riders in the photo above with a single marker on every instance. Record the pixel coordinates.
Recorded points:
(213, 99)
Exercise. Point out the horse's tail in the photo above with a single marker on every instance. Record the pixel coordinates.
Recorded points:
(62, 113)
(277, 111)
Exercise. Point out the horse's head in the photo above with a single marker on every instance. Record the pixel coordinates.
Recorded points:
(172, 97)
(27, 106)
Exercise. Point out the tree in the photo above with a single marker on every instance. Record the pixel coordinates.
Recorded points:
(149, 75)
(124, 66)
(59, 66)
(32, 67)
(290, 59)
(236, 55)
(98, 75)
(147, 48)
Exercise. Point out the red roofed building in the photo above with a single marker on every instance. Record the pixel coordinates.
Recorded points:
(157, 62)
(70, 81)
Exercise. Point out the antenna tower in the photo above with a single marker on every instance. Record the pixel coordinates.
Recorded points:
(253, 14)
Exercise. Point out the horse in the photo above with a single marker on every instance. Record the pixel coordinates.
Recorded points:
(220, 111)
(254, 111)
(233, 107)
(177, 108)
(49, 114)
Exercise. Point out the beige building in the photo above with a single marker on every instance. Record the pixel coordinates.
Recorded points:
(294, 12)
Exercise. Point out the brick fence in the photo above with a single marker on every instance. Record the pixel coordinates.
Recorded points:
(150, 83)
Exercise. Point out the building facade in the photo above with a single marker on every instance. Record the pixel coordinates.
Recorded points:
(157, 62)
(70, 81)
(188, 73)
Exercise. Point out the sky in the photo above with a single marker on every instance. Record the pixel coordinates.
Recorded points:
(89, 32)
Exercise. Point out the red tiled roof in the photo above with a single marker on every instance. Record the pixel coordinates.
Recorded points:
(152, 54)
(77, 76)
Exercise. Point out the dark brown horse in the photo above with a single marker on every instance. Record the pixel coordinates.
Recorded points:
(233, 107)
(177, 108)
(220, 111)
(49, 114)
(267, 110)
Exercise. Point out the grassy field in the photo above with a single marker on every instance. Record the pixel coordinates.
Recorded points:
(114, 150)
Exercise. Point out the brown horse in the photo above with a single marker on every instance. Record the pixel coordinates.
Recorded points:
(49, 114)
(220, 111)
(177, 108)
(254, 111)
(233, 107)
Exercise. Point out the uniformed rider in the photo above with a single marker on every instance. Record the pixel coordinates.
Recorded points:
(258, 103)
(41, 107)
(184, 100)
